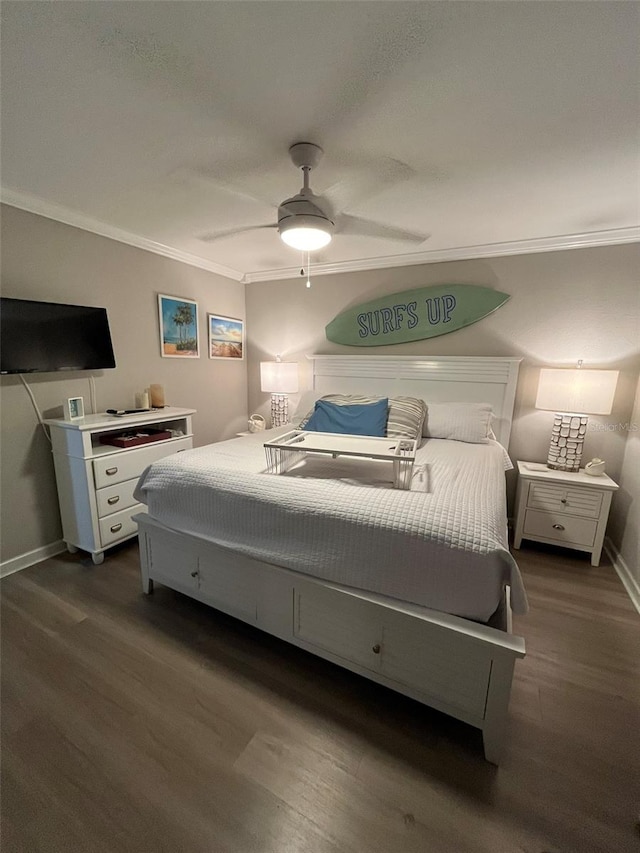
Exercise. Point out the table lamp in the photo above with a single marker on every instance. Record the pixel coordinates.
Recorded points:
(280, 378)
(573, 395)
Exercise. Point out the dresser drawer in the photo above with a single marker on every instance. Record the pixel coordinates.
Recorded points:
(130, 464)
(559, 527)
(566, 499)
(118, 526)
(114, 498)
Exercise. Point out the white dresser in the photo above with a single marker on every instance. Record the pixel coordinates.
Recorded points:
(562, 508)
(96, 481)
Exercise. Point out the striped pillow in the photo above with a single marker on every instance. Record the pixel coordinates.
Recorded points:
(406, 417)
(406, 414)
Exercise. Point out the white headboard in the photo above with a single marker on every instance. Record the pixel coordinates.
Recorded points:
(441, 379)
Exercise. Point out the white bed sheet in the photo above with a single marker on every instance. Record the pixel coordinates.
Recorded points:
(442, 544)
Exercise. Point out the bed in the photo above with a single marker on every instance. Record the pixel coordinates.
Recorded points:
(412, 589)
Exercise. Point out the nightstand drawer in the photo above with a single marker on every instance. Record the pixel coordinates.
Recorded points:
(562, 528)
(575, 501)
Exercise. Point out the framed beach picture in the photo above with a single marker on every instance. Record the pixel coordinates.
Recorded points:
(226, 337)
(178, 327)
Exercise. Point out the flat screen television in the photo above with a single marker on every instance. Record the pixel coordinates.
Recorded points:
(39, 337)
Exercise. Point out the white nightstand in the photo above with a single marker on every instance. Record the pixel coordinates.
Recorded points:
(561, 508)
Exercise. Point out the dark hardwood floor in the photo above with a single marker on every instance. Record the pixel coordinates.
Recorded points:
(156, 724)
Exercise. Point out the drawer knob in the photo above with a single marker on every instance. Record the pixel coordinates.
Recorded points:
(111, 471)
(558, 526)
(113, 500)
(194, 574)
(115, 527)
(376, 649)
(563, 500)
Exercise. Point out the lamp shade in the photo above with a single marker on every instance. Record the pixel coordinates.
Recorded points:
(279, 377)
(587, 392)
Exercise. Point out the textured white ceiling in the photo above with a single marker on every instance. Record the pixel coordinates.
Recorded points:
(518, 121)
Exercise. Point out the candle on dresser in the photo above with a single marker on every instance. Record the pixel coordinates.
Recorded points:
(156, 393)
(142, 400)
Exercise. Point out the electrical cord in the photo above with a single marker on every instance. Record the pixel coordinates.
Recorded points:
(35, 406)
(92, 394)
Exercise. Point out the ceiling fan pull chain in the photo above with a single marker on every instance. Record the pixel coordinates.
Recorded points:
(308, 269)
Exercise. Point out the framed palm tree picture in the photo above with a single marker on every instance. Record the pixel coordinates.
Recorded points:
(226, 337)
(178, 327)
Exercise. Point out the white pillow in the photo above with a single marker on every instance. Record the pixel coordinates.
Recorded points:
(305, 406)
(469, 422)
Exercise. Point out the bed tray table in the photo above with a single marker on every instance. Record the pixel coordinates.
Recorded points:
(287, 450)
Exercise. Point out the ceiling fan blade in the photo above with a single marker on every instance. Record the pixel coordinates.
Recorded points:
(219, 235)
(367, 228)
(379, 175)
(198, 176)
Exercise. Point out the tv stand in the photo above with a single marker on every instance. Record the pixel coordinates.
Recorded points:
(96, 481)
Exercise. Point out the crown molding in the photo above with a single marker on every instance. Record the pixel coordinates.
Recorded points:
(589, 239)
(33, 204)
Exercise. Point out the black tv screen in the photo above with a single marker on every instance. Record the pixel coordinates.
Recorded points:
(37, 337)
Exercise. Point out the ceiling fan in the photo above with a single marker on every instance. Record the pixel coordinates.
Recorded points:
(307, 222)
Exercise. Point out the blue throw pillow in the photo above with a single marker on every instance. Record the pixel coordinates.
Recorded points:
(365, 419)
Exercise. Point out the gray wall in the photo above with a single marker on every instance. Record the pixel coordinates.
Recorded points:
(564, 306)
(43, 259)
(625, 521)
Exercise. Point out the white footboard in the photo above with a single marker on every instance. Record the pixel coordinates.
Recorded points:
(459, 667)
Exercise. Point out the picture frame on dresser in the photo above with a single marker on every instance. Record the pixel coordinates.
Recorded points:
(73, 408)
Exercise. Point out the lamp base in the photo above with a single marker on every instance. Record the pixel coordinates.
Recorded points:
(279, 410)
(567, 441)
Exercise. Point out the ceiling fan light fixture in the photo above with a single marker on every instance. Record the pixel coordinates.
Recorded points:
(302, 223)
(305, 237)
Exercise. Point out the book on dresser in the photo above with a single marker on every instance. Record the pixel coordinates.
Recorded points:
(98, 461)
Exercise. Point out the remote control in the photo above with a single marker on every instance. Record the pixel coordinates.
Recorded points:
(120, 412)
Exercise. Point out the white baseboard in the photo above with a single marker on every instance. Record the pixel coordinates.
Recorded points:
(23, 561)
(624, 573)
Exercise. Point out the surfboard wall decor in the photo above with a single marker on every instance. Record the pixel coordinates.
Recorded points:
(414, 315)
